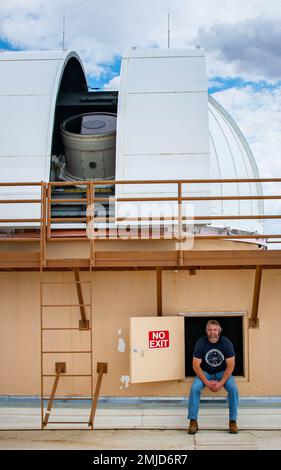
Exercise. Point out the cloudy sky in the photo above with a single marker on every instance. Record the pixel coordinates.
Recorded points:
(242, 40)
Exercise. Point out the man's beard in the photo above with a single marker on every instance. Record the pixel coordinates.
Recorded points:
(213, 338)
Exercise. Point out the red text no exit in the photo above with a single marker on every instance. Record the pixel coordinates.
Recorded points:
(159, 339)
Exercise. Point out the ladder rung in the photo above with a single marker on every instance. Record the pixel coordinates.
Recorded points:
(54, 238)
(63, 201)
(70, 398)
(66, 329)
(68, 375)
(66, 282)
(66, 352)
(67, 305)
(68, 219)
(89, 428)
(68, 422)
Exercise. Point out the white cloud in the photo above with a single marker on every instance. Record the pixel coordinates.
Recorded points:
(100, 30)
(250, 47)
(113, 84)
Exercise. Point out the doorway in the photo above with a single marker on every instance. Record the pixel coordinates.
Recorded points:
(232, 326)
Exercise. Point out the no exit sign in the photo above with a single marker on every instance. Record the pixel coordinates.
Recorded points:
(159, 339)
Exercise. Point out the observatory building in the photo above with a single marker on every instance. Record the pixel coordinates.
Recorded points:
(125, 213)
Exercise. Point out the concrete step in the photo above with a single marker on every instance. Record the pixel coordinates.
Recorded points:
(141, 417)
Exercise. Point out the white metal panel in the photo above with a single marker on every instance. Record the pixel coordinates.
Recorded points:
(33, 55)
(162, 122)
(153, 359)
(151, 75)
(20, 210)
(187, 166)
(141, 53)
(24, 126)
(165, 123)
(27, 83)
(19, 169)
(165, 167)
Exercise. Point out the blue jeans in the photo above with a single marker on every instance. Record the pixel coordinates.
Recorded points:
(197, 387)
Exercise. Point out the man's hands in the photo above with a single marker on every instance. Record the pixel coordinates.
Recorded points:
(214, 385)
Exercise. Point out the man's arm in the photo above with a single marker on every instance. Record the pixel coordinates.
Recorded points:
(230, 363)
(196, 364)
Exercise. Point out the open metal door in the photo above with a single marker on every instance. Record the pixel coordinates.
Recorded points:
(156, 349)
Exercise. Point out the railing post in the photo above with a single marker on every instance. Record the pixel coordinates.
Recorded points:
(49, 196)
(180, 253)
(91, 221)
(43, 225)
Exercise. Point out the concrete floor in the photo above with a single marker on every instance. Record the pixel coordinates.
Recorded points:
(140, 425)
(139, 440)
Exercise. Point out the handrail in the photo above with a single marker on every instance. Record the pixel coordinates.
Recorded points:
(26, 220)
(46, 200)
(179, 199)
(184, 181)
(21, 183)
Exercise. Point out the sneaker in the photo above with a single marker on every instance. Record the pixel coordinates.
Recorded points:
(233, 429)
(193, 426)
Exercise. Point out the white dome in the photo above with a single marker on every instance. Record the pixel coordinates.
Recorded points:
(231, 157)
(30, 83)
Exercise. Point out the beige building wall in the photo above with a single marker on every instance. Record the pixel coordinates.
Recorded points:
(117, 296)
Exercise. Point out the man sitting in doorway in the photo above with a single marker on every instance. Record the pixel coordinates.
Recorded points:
(213, 363)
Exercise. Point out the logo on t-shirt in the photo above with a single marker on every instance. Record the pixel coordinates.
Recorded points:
(214, 357)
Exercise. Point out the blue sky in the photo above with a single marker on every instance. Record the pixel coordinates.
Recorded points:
(224, 83)
(5, 45)
(112, 70)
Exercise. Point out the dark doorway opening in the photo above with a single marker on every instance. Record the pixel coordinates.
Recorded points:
(232, 328)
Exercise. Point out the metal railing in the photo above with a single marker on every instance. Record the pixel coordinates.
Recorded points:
(41, 236)
(47, 233)
(179, 199)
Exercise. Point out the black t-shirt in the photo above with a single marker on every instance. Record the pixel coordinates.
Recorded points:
(213, 355)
